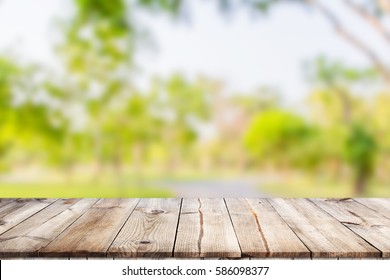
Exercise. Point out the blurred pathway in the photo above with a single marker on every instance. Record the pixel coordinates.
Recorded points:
(216, 188)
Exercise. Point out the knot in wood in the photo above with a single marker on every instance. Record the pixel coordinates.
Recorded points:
(68, 201)
(156, 211)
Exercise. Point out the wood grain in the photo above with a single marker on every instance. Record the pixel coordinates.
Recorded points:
(150, 231)
(365, 222)
(205, 230)
(380, 205)
(321, 233)
(195, 228)
(261, 232)
(18, 210)
(5, 201)
(26, 238)
(92, 234)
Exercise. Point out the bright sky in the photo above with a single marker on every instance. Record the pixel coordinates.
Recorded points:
(242, 51)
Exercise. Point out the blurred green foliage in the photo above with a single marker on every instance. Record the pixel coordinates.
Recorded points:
(273, 136)
(93, 118)
(360, 152)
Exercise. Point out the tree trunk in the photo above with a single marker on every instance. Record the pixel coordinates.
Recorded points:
(352, 39)
(346, 106)
(370, 18)
(138, 153)
(118, 169)
(360, 184)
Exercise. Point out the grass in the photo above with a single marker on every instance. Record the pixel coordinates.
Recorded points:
(311, 187)
(107, 184)
(79, 190)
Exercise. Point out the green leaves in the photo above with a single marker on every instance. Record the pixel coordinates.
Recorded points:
(114, 10)
(261, 5)
(8, 73)
(334, 73)
(100, 37)
(274, 134)
(187, 99)
(360, 149)
(170, 6)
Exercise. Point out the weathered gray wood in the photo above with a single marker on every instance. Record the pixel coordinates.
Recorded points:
(380, 205)
(205, 230)
(369, 224)
(92, 234)
(321, 233)
(26, 238)
(18, 210)
(150, 230)
(261, 232)
(5, 201)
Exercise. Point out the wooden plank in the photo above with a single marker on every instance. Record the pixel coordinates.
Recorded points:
(321, 233)
(380, 205)
(5, 201)
(205, 230)
(261, 232)
(369, 224)
(25, 239)
(262, 228)
(92, 234)
(150, 230)
(20, 209)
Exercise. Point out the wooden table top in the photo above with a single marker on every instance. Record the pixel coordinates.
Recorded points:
(195, 228)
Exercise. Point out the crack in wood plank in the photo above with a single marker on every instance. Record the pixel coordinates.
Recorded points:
(201, 230)
(177, 227)
(259, 227)
(351, 223)
(37, 238)
(7, 238)
(338, 199)
(188, 212)
(378, 226)
(363, 221)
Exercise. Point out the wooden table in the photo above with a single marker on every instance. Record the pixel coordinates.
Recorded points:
(195, 228)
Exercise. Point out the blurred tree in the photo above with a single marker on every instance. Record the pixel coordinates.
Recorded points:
(98, 52)
(25, 120)
(129, 130)
(183, 105)
(380, 115)
(373, 13)
(261, 99)
(99, 37)
(231, 115)
(360, 152)
(8, 71)
(344, 118)
(280, 138)
(333, 77)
